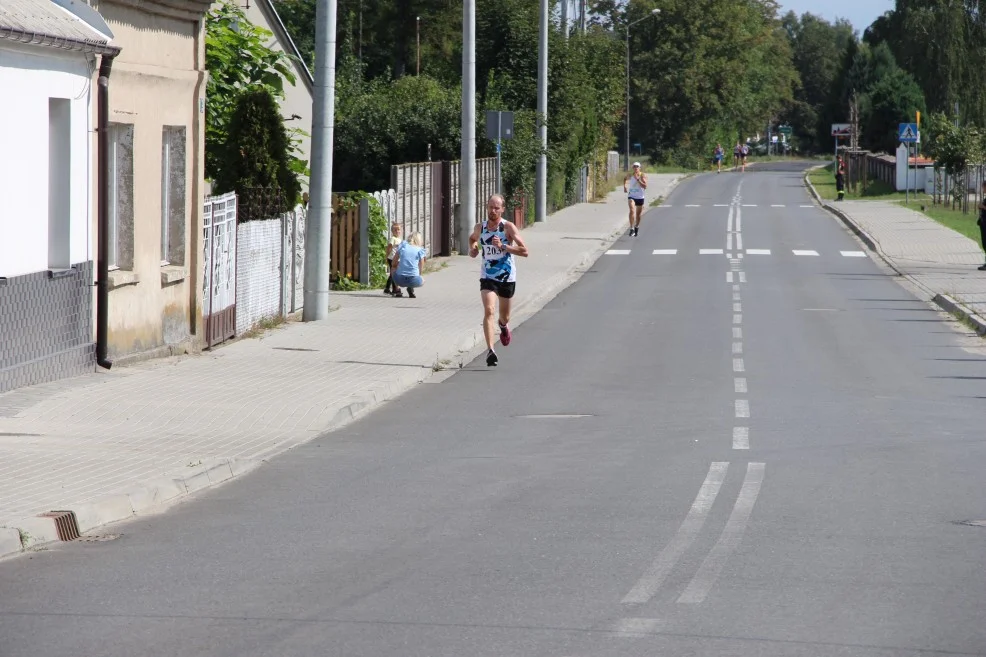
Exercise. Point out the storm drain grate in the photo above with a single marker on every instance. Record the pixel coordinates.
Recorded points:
(65, 523)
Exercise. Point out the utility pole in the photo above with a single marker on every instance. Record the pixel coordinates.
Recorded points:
(564, 18)
(418, 35)
(467, 172)
(541, 184)
(318, 242)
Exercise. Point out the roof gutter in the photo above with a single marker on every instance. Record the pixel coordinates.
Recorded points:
(62, 43)
(103, 210)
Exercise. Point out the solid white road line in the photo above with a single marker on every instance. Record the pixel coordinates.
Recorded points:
(742, 408)
(737, 347)
(738, 365)
(758, 251)
(739, 242)
(729, 277)
(739, 385)
(729, 220)
(651, 581)
(731, 536)
(636, 627)
(618, 252)
(710, 252)
(853, 254)
(737, 333)
(798, 252)
(749, 205)
(739, 220)
(741, 437)
(742, 276)
(729, 241)
(665, 252)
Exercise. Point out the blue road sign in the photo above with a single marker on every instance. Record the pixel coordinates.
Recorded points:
(908, 132)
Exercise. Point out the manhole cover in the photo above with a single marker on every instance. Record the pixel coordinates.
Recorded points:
(102, 538)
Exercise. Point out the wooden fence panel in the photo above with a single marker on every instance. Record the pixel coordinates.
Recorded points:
(344, 256)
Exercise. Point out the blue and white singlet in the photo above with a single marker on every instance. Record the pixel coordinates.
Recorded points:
(498, 265)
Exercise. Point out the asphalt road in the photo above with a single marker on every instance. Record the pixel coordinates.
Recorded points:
(684, 454)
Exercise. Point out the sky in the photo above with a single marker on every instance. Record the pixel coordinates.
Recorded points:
(859, 12)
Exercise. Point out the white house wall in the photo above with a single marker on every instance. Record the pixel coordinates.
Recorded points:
(28, 78)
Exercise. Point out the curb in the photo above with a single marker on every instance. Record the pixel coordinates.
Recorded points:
(156, 495)
(943, 301)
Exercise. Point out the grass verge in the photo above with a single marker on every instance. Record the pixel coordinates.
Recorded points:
(964, 224)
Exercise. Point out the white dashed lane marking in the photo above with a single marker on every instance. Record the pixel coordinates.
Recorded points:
(741, 437)
(665, 252)
(710, 251)
(758, 251)
(742, 408)
(636, 627)
(618, 252)
(853, 254)
(801, 252)
(739, 385)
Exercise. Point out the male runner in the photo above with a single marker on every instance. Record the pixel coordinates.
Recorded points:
(634, 185)
(500, 241)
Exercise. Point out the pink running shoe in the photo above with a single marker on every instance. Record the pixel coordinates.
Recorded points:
(505, 335)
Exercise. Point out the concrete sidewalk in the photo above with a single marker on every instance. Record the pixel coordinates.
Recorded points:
(937, 260)
(116, 444)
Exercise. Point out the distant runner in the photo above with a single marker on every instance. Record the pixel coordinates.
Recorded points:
(500, 241)
(737, 155)
(634, 186)
(744, 153)
(717, 156)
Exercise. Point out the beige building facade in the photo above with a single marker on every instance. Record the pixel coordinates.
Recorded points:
(156, 175)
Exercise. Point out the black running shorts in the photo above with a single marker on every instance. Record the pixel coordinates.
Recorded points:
(638, 201)
(503, 290)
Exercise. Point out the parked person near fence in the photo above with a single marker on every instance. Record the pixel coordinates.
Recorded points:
(392, 246)
(840, 179)
(407, 265)
(982, 223)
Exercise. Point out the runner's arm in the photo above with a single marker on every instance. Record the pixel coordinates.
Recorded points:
(517, 246)
(474, 241)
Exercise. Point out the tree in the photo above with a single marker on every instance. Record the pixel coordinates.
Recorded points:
(893, 99)
(257, 165)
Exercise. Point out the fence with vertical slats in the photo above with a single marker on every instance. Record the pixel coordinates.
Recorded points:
(344, 246)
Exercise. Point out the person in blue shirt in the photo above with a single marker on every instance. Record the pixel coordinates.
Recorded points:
(410, 259)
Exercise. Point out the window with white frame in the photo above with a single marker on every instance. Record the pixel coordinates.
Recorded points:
(121, 196)
(173, 174)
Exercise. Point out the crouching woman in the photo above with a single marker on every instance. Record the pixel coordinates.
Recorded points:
(410, 259)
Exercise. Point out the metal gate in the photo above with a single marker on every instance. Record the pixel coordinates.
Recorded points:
(219, 279)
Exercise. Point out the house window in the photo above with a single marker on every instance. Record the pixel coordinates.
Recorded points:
(173, 173)
(59, 183)
(121, 201)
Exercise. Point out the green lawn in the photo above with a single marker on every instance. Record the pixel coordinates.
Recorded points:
(824, 183)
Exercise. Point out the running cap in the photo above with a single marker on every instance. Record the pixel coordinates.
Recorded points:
(636, 164)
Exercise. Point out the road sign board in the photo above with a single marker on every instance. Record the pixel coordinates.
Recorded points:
(499, 125)
(785, 130)
(908, 132)
(841, 129)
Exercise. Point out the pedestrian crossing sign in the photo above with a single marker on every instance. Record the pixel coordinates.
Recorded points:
(908, 133)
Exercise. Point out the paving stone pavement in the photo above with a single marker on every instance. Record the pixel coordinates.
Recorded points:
(112, 444)
(938, 259)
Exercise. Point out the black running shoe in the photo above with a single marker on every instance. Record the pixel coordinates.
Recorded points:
(983, 268)
(491, 359)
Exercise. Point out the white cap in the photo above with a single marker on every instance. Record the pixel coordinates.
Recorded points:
(636, 164)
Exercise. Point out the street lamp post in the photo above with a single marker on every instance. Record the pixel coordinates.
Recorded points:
(653, 12)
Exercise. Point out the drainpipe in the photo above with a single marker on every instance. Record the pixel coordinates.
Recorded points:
(103, 211)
